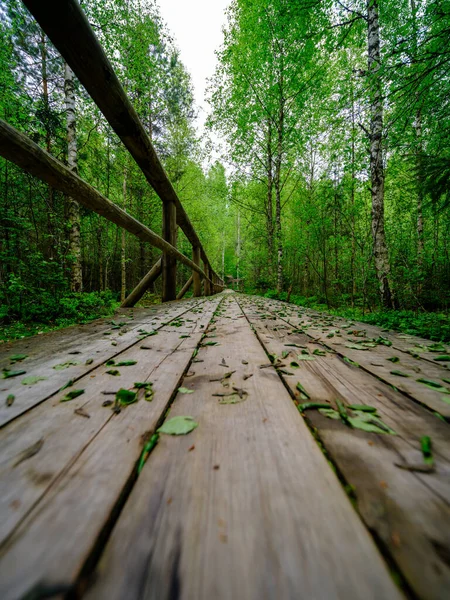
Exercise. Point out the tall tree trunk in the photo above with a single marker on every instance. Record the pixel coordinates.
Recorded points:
(123, 265)
(278, 161)
(352, 201)
(419, 152)
(269, 207)
(380, 250)
(238, 248)
(76, 275)
(48, 142)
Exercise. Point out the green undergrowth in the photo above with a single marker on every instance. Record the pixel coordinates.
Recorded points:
(48, 313)
(431, 325)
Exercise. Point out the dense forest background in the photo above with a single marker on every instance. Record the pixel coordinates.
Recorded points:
(333, 183)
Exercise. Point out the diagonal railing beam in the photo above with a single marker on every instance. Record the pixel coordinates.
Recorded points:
(66, 25)
(22, 151)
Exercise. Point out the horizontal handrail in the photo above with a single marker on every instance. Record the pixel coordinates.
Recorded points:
(66, 25)
(26, 154)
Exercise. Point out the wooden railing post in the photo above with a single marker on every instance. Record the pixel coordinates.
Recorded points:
(196, 276)
(169, 264)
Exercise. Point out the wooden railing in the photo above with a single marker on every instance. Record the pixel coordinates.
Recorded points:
(67, 27)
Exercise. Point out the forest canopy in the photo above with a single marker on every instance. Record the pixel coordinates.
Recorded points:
(332, 186)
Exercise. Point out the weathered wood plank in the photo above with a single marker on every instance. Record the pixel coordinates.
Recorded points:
(85, 463)
(23, 484)
(413, 526)
(246, 505)
(74, 345)
(376, 360)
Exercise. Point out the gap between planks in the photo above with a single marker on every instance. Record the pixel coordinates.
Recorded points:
(246, 506)
(96, 458)
(414, 527)
(90, 344)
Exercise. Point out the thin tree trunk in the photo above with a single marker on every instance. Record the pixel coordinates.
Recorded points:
(352, 201)
(238, 248)
(419, 151)
(123, 265)
(48, 142)
(278, 160)
(269, 208)
(76, 275)
(380, 250)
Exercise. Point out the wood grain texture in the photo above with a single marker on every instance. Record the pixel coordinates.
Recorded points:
(76, 345)
(65, 494)
(246, 505)
(374, 360)
(408, 511)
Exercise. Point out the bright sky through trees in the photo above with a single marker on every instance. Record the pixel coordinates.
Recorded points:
(197, 30)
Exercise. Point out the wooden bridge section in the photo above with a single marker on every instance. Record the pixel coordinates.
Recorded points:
(319, 466)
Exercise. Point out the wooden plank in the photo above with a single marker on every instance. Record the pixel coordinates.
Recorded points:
(144, 285)
(413, 526)
(185, 288)
(88, 462)
(246, 505)
(195, 275)
(400, 341)
(169, 265)
(73, 348)
(22, 151)
(51, 416)
(376, 360)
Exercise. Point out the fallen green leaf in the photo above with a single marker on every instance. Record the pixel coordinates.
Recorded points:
(425, 444)
(114, 372)
(310, 405)
(126, 363)
(71, 395)
(394, 359)
(7, 374)
(32, 380)
(125, 397)
(17, 357)
(178, 426)
(10, 399)
(437, 387)
(363, 408)
(399, 373)
(184, 390)
(442, 358)
(66, 365)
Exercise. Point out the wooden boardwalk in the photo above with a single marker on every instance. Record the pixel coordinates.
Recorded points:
(265, 498)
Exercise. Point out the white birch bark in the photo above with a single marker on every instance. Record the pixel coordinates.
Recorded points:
(380, 250)
(76, 275)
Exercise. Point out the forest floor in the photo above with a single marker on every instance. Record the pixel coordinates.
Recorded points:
(431, 325)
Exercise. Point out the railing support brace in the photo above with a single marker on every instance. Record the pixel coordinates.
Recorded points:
(169, 264)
